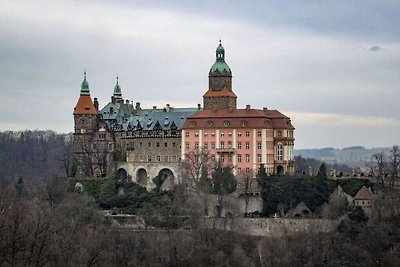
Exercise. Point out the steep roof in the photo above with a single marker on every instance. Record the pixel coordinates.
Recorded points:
(85, 106)
(364, 193)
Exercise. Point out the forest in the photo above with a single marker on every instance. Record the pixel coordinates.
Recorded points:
(45, 221)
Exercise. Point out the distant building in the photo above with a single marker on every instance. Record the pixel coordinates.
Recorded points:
(140, 144)
(364, 199)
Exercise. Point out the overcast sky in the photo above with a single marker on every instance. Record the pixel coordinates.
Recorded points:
(332, 66)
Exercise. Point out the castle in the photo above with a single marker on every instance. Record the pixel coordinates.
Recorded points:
(140, 144)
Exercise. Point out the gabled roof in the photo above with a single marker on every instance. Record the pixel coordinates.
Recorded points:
(85, 106)
(364, 193)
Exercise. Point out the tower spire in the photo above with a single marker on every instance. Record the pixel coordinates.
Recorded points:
(85, 86)
(117, 91)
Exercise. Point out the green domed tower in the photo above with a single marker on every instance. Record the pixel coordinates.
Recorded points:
(220, 94)
(117, 93)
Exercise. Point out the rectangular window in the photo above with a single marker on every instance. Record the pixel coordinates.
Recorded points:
(205, 134)
(196, 145)
(239, 158)
(247, 134)
(239, 145)
(247, 170)
(174, 158)
(187, 134)
(165, 144)
(149, 144)
(239, 134)
(158, 144)
(205, 146)
(259, 158)
(187, 145)
(212, 157)
(229, 158)
(158, 158)
(259, 133)
(140, 158)
(222, 158)
(222, 144)
(247, 158)
(196, 134)
(239, 170)
(222, 134)
(140, 144)
(149, 158)
(247, 145)
(279, 152)
(166, 158)
(212, 134)
(279, 133)
(229, 144)
(212, 145)
(229, 134)
(259, 145)
(173, 144)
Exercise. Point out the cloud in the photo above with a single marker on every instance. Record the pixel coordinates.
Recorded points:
(375, 48)
(162, 53)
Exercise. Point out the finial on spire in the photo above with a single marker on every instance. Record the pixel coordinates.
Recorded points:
(117, 78)
(84, 73)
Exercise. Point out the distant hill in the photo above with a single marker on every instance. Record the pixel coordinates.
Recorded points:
(352, 156)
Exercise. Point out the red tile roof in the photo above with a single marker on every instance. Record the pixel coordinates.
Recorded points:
(254, 118)
(364, 193)
(223, 92)
(85, 106)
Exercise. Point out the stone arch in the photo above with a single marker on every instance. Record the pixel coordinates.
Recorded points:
(280, 170)
(168, 179)
(122, 174)
(141, 177)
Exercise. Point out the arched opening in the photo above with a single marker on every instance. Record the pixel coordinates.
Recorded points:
(122, 174)
(141, 177)
(280, 170)
(167, 178)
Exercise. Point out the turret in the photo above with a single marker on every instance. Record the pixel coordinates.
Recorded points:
(220, 94)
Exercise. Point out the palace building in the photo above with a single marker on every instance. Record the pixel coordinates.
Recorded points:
(140, 144)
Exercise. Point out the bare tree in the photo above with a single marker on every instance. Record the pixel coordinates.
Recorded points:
(378, 167)
(196, 163)
(394, 164)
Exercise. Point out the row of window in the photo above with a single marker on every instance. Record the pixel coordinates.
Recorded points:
(159, 158)
(156, 144)
(102, 146)
(222, 134)
(269, 145)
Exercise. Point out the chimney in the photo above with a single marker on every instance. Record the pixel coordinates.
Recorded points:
(198, 106)
(96, 103)
(127, 101)
(112, 99)
(265, 109)
(247, 106)
(154, 107)
(168, 108)
(137, 105)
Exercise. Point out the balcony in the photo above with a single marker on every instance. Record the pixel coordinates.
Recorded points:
(226, 150)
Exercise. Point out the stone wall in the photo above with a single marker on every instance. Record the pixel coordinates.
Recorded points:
(271, 227)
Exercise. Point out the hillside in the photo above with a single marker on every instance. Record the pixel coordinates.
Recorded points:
(353, 156)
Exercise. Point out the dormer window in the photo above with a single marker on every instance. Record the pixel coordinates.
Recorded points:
(243, 123)
(226, 123)
(192, 124)
(210, 123)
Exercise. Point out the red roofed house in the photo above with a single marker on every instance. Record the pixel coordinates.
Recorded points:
(364, 198)
(242, 138)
